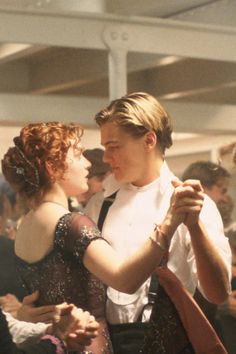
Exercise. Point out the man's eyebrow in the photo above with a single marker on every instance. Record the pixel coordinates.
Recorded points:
(110, 142)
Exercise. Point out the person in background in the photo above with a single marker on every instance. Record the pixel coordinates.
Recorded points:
(98, 171)
(14, 209)
(135, 132)
(8, 220)
(226, 208)
(12, 291)
(95, 202)
(231, 234)
(214, 178)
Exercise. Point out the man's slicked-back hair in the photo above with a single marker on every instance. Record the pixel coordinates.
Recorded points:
(137, 113)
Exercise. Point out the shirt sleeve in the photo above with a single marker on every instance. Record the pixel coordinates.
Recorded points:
(45, 346)
(212, 221)
(25, 332)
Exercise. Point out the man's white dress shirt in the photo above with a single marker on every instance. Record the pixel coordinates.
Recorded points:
(130, 221)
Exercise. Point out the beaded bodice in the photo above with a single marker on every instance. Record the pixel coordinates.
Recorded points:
(61, 276)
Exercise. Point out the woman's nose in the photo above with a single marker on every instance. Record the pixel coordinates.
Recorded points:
(87, 163)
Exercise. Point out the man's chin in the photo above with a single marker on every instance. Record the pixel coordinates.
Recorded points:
(117, 176)
(120, 179)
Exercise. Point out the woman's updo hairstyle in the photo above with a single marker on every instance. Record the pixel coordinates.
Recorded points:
(38, 158)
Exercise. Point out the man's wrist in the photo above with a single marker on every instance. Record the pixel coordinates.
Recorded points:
(160, 239)
(194, 227)
(169, 226)
(163, 237)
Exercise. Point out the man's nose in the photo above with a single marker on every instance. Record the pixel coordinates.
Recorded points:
(106, 156)
(224, 198)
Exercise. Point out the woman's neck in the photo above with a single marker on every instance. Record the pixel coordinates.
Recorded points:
(56, 195)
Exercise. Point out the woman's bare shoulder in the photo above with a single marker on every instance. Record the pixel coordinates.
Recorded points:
(35, 235)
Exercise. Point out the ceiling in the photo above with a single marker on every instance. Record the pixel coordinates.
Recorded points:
(65, 59)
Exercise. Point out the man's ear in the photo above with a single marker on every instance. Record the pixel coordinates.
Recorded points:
(150, 140)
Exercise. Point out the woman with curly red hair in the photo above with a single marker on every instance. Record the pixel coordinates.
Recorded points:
(63, 254)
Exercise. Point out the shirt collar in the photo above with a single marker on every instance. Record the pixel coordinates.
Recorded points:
(166, 177)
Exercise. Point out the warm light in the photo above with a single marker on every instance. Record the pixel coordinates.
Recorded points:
(168, 60)
(7, 50)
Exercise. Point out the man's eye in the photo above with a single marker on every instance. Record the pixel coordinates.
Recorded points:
(112, 148)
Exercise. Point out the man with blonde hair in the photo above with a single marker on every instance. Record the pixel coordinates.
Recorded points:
(135, 132)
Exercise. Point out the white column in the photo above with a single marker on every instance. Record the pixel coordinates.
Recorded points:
(215, 155)
(117, 40)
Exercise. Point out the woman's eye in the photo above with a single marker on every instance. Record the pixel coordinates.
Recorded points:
(78, 151)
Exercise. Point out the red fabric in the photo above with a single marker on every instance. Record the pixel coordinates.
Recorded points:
(200, 332)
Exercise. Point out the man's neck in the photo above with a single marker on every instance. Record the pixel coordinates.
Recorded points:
(151, 173)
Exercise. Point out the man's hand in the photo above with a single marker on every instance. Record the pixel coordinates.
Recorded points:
(185, 205)
(188, 200)
(29, 313)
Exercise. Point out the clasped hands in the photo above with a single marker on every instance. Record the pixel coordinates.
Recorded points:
(74, 326)
(185, 205)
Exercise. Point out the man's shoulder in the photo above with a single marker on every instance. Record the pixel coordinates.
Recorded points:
(209, 203)
(210, 213)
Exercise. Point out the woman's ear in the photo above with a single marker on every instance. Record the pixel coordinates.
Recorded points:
(49, 168)
(50, 171)
(150, 140)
